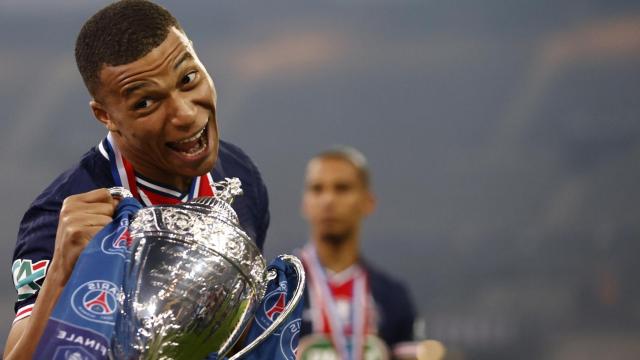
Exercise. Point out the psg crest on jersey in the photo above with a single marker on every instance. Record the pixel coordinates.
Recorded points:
(284, 342)
(273, 305)
(118, 241)
(96, 301)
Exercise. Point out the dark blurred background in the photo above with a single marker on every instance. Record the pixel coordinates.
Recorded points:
(503, 137)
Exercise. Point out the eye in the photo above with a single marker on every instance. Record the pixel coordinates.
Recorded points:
(342, 187)
(142, 104)
(189, 78)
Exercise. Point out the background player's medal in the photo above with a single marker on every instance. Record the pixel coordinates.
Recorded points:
(193, 282)
(320, 347)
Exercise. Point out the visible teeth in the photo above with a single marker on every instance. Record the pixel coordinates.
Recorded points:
(196, 151)
(194, 137)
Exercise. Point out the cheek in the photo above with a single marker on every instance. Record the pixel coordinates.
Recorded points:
(150, 128)
(357, 208)
(312, 207)
(306, 207)
(204, 95)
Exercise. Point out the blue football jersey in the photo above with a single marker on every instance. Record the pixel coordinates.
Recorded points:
(37, 232)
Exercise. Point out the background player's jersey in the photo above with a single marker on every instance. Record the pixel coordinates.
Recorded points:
(36, 235)
(392, 311)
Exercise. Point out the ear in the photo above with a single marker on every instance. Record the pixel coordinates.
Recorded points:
(369, 203)
(101, 114)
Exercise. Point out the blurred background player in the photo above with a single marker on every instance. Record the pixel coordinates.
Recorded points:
(352, 307)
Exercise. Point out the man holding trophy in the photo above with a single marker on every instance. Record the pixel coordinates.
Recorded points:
(355, 311)
(158, 103)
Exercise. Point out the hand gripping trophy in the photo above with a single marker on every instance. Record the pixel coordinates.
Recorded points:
(193, 281)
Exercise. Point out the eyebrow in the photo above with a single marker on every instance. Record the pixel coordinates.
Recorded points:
(128, 91)
(185, 57)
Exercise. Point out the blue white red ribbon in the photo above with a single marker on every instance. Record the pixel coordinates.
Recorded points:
(322, 297)
(147, 192)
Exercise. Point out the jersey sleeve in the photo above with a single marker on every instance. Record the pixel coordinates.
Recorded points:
(32, 255)
(37, 232)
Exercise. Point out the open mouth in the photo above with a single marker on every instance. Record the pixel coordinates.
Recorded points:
(191, 146)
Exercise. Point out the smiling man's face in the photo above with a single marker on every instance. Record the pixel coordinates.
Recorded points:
(161, 112)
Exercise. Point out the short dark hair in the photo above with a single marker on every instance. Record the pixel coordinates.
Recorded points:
(351, 155)
(119, 34)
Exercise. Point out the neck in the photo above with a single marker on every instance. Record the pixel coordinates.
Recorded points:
(337, 256)
(181, 183)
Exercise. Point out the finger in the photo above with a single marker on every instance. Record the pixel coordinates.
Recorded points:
(95, 209)
(79, 207)
(77, 220)
(89, 232)
(75, 203)
(94, 220)
(71, 212)
(101, 195)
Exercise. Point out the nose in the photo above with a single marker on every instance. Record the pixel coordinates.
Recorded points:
(183, 111)
(327, 198)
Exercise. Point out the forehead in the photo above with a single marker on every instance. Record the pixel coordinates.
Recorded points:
(331, 169)
(158, 60)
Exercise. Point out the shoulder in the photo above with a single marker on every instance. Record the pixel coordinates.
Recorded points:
(395, 306)
(253, 206)
(232, 158)
(41, 218)
(383, 279)
(387, 289)
(91, 172)
(234, 162)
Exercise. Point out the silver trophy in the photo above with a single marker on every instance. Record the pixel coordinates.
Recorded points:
(193, 282)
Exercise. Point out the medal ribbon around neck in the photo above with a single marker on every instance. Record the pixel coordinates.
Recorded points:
(124, 175)
(322, 295)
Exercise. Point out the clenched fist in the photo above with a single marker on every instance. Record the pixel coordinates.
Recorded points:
(81, 217)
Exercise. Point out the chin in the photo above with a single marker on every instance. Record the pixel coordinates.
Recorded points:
(334, 238)
(206, 165)
(210, 163)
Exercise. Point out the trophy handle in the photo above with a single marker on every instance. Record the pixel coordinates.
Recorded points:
(297, 295)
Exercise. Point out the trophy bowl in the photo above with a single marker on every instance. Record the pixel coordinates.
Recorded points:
(193, 282)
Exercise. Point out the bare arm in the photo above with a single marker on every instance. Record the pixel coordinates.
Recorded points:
(81, 217)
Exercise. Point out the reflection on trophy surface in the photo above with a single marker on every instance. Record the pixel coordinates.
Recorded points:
(193, 282)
